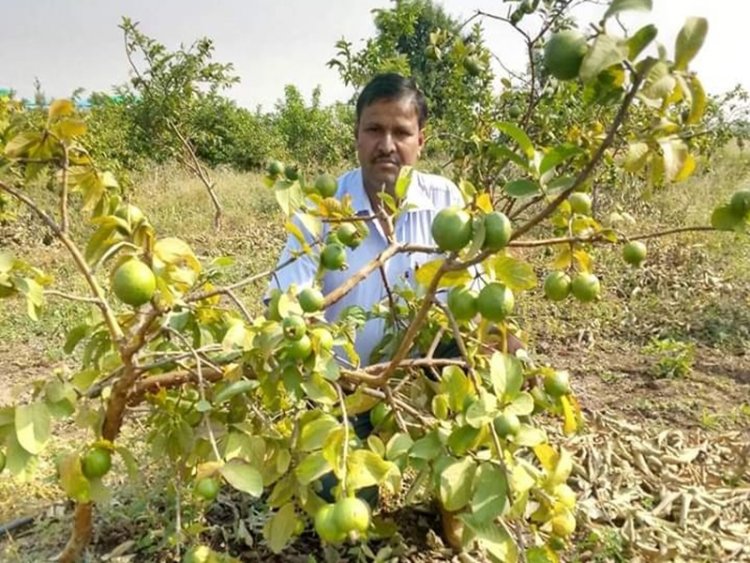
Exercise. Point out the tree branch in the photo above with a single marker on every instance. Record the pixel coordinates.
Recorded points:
(589, 168)
(101, 302)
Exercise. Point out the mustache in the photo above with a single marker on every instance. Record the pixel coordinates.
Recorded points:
(387, 158)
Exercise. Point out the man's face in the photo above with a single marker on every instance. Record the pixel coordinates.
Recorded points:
(388, 137)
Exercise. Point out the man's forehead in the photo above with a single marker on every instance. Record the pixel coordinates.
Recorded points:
(402, 108)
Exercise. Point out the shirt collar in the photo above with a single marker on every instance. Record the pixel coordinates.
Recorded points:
(416, 196)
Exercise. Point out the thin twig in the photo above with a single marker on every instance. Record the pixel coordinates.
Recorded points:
(599, 237)
(81, 298)
(78, 258)
(345, 418)
(201, 387)
(64, 219)
(239, 284)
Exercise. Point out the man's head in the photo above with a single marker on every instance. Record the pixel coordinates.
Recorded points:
(391, 113)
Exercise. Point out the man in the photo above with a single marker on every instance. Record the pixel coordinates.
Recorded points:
(390, 117)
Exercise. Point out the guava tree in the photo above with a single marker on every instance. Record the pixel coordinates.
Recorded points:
(262, 403)
(170, 87)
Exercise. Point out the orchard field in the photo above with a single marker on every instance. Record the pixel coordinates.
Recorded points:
(214, 455)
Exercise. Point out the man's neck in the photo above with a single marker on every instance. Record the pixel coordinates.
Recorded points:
(373, 194)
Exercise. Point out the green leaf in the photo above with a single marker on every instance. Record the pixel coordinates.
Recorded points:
(32, 426)
(521, 479)
(557, 155)
(427, 447)
(689, 41)
(516, 274)
(314, 433)
(83, 379)
(482, 411)
(522, 405)
(522, 188)
(529, 436)
(365, 468)
(72, 479)
(235, 388)
(21, 143)
(725, 220)
(455, 383)
(289, 196)
(518, 135)
(399, 444)
(280, 528)
(457, 483)
(75, 335)
(618, 6)
(498, 151)
(313, 467)
(498, 375)
(243, 477)
(640, 40)
(403, 181)
(319, 390)
(493, 539)
(560, 183)
(463, 439)
(490, 493)
(605, 52)
(313, 224)
(18, 459)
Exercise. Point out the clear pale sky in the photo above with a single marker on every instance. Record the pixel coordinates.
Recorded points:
(76, 43)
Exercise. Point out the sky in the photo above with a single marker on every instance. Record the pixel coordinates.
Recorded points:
(68, 44)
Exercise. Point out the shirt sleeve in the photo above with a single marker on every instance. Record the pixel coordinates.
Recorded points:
(300, 271)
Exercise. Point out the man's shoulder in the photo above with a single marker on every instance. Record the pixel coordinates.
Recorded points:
(440, 190)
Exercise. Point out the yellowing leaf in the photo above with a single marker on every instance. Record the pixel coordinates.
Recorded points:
(427, 271)
(516, 274)
(583, 259)
(32, 424)
(699, 101)
(563, 260)
(365, 468)
(71, 128)
(636, 157)
(546, 455)
(689, 41)
(688, 168)
(60, 108)
(570, 424)
(484, 202)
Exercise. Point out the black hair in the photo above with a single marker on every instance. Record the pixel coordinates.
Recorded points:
(392, 86)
